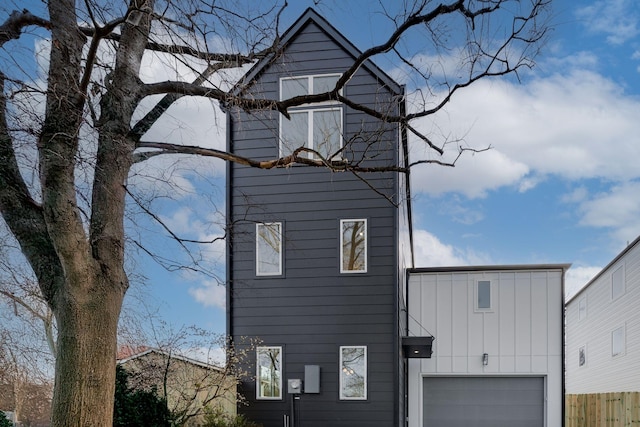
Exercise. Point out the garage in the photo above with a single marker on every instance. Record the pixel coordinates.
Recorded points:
(483, 401)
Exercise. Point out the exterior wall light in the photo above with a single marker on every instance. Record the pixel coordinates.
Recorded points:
(485, 359)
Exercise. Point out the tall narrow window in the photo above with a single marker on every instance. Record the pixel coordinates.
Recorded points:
(617, 282)
(269, 249)
(582, 308)
(353, 372)
(483, 291)
(315, 127)
(269, 373)
(353, 245)
(617, 342)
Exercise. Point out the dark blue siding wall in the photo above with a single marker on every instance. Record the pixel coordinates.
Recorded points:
(312, 309)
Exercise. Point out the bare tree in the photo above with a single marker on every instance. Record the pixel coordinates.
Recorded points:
(25, 382)
(27, 341)
(68, 142)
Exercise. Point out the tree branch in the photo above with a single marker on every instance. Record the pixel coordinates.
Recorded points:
(292, 159)
(25, 217)
(12, 27)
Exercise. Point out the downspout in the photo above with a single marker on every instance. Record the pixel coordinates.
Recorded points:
(229, 231)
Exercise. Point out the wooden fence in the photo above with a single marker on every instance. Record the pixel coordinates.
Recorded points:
(602, 410)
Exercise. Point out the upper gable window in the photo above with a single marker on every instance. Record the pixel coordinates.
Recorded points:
(617, 282)
(291, 87)
(317, 127)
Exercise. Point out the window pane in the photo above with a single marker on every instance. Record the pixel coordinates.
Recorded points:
(269, 372)
(617, 283)
(326, 132)
(269, 249)
(617, 342)
(295, 133)
(323, 84)
(353, 372)
(294, 87)
(354, 245)
(582, 308)
(484, 294)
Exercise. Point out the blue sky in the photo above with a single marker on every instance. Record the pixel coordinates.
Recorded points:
(561, 183)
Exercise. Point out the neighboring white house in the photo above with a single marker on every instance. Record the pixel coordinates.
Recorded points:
(498, 349)
(603, 329)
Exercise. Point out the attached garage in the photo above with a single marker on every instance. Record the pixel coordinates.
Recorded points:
(483, 401)
(497, 356)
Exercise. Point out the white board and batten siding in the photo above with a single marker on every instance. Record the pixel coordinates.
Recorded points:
(596, 319)
(521, 333)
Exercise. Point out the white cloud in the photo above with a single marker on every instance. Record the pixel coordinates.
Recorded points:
(210, 294)
(576, 278)
(618, 209)
(472, 176)
(189, 121)
(576, 125)
(429, 251)
(618, 19)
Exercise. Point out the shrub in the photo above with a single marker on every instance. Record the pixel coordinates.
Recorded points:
(218, 418)
(137, 407)
(4, 421)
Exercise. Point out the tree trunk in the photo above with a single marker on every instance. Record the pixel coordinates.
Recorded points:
(85, 366)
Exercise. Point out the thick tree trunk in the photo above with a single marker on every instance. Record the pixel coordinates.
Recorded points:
(85, 366)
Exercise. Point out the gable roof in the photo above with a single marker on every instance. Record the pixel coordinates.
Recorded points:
(606, 268)
(311, 16)
(169, 355)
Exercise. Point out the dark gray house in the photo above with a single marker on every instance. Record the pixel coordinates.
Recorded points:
(316, 259)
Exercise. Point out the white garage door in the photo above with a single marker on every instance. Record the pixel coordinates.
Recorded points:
(483, 402)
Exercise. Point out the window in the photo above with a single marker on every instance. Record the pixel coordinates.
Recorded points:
(483, 295)
(269, 373)
(353, 373)
(317, 127)
(269, 249)
(617, 282)
(582, 356)
(582, 308)
(353, 246)
(617, 342)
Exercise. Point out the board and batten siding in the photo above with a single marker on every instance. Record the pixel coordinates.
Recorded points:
(602, 372)
(312, 309)
(522, 334)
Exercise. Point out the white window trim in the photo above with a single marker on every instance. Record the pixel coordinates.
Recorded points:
(366, 246)
(624, 287)
(477, 296)
(331, 105)
(310, 117)
(623, 351)
(280, 258)
(310, 78)
(258, 394)
(366, 373)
